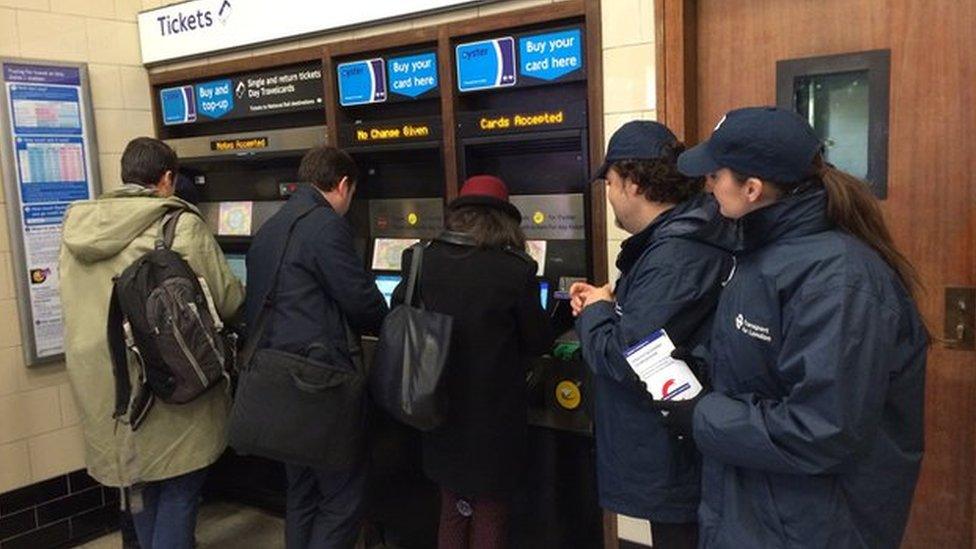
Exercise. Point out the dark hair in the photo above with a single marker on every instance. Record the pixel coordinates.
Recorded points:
(490, 227)
(145, 160)
(852, 207)
(325, 166)
(659, 179)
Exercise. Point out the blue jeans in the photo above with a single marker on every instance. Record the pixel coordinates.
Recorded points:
(166, 516)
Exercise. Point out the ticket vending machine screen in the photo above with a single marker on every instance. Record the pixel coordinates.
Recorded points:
(386, 284)
(238, 266)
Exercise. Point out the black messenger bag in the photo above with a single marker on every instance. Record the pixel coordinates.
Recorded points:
(296, 409)
(411, 357)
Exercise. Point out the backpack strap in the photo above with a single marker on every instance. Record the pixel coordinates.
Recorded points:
(120, 363)
(254, 337)
(128, 410)
(167, 229)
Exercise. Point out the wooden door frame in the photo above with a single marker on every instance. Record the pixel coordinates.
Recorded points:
(676, 37)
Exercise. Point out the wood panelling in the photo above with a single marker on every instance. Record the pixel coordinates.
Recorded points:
(677, 89)
(931, 206)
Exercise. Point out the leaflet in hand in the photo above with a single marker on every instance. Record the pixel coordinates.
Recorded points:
(666, 378)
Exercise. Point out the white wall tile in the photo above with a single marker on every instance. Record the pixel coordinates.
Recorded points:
(90, 8)
(69, 409)
(127, 10)
(628, 79)
(9, 40)
(35, 377)
(135, 88)
(39, 5)
(15, 471)
(9, 330)
(23, 415)
(56, 453)
(36, 29)
(632, 529)
(105, 82)
(115, 42)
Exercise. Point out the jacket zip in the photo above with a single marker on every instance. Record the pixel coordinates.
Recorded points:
(186, 352)
(206, 332)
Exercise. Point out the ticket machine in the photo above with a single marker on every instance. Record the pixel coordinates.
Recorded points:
(240, 139)
(388, 119)
(522, 115)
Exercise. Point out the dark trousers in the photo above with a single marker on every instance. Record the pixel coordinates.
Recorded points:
(472, 523)
(670, 535)
(164, 512)
(324, 509)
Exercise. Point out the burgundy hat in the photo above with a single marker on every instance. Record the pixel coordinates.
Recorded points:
(486, 190)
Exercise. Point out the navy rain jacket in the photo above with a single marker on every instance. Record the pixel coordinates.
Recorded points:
(322, 280)
(666, 270)
(813, 435)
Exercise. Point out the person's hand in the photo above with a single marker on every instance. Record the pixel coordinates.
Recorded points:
(679, 415)
(576, 295)
(602, 293)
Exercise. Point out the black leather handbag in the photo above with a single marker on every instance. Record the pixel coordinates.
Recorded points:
(411, 357)
(295, 408)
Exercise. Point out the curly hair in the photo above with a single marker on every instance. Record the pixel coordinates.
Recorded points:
(659, 179)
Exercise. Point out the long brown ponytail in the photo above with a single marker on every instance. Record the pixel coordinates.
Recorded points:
(852, 207)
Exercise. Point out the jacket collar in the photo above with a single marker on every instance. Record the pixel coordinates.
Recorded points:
(791, 217)
(696, 219)
(307, 195)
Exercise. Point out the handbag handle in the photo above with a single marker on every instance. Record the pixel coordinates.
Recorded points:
(313, 388)
(416, 261)
(261, 323)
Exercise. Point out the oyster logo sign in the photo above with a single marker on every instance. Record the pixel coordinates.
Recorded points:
(752, 329)
(182, 22)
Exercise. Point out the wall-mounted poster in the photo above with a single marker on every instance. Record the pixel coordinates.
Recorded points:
(48, 152)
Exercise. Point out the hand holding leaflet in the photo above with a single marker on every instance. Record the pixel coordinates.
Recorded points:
(664, 372)
(665, 377)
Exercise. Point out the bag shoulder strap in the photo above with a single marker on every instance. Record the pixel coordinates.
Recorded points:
(120, 363)
(167, 229)
(416, 262)
(262, 319)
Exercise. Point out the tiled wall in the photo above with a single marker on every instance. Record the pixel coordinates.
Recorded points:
(628, 94)
(628, 80)
(39, 433)
(49, 513)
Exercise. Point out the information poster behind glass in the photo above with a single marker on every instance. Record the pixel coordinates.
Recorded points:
(48, 156)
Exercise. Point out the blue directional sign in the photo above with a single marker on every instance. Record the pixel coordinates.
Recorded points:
(362, 82)
(215, 98)
(178, 104)
(412, 75)
(551, 55)
(486, 64)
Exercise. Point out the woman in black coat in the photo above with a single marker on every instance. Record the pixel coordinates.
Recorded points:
(478, 273)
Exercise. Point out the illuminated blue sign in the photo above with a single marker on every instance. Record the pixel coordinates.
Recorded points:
(486, 64)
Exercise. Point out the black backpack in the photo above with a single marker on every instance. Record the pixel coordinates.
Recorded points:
(163, 313)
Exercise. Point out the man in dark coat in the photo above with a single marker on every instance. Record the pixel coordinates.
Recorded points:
(323, 284)
(670, 269)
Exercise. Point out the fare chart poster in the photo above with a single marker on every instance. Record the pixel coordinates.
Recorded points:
(49, 144)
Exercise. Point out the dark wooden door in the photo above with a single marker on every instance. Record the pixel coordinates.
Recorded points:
(931, 204)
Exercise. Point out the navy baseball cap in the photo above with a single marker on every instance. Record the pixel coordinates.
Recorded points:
(765, 142)
(637, 140)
